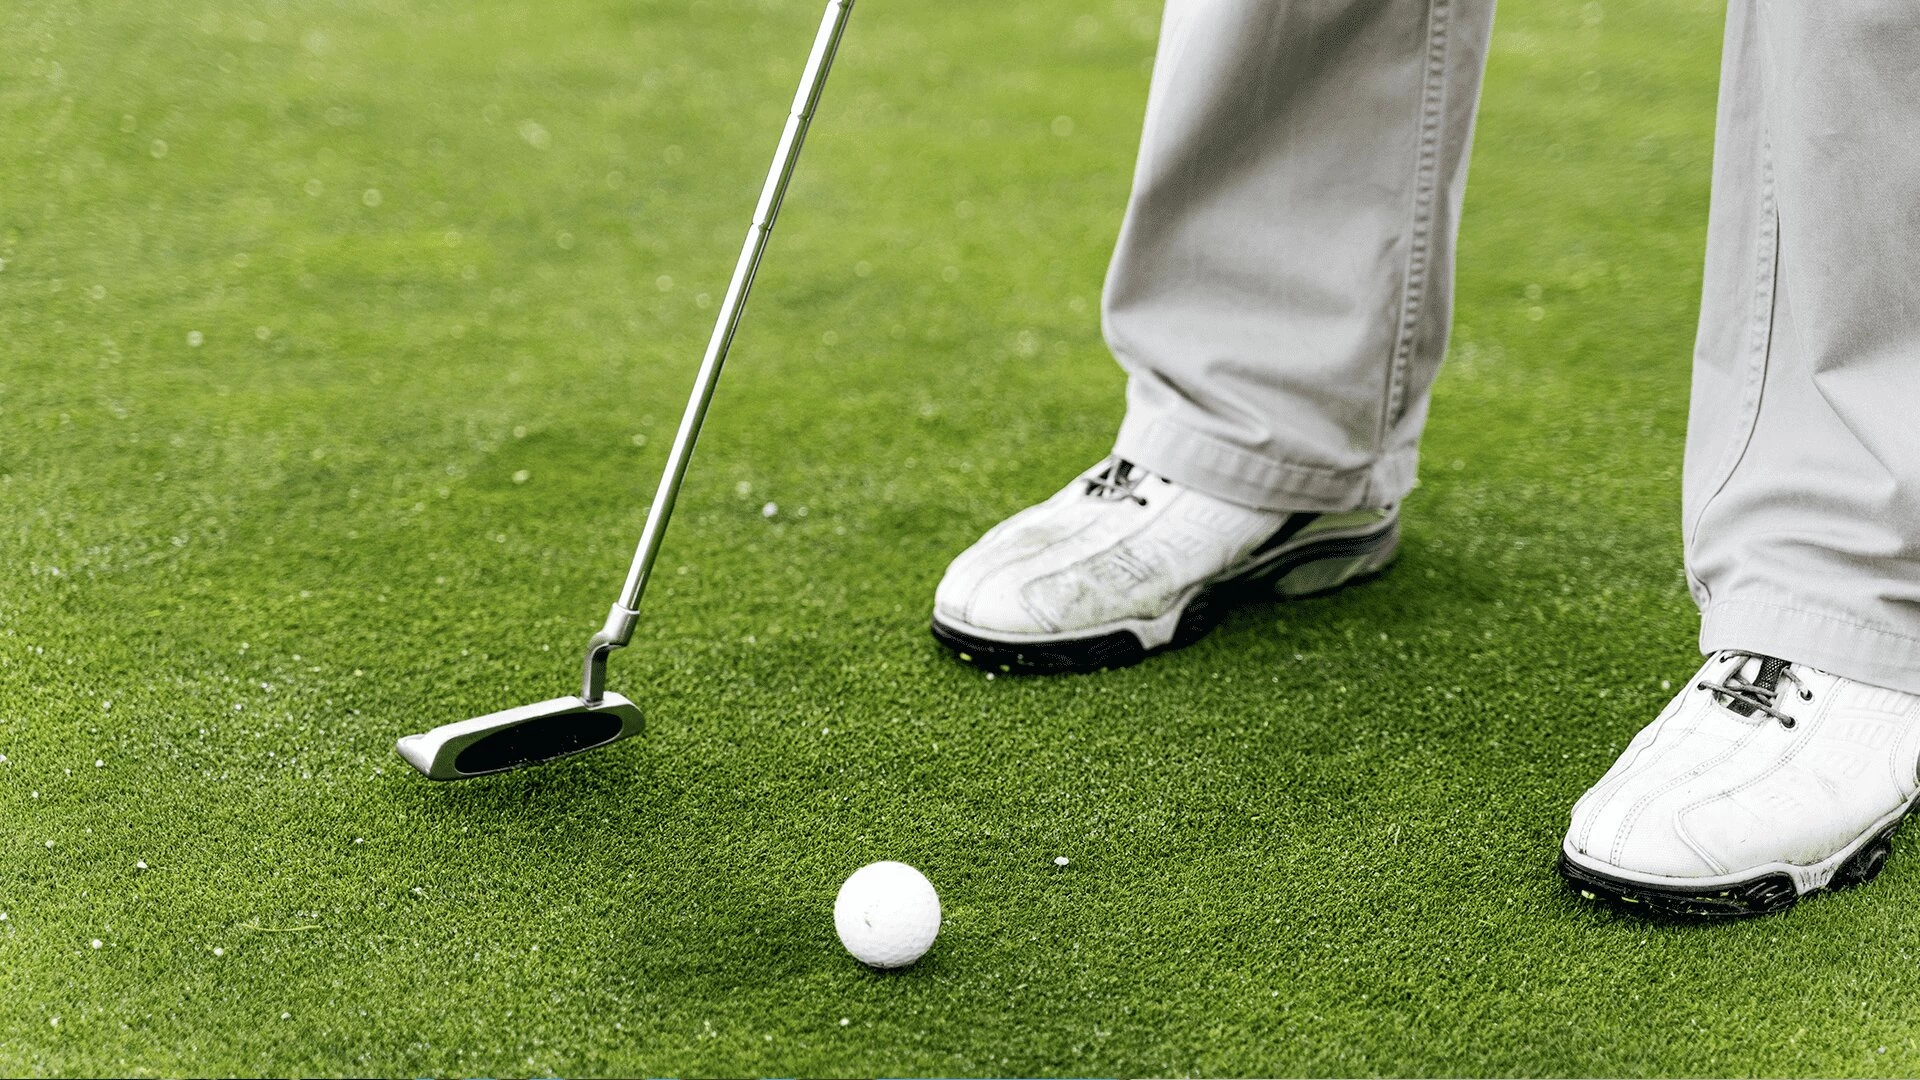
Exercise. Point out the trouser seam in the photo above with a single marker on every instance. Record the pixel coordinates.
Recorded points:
(1766, 288)
(1433, 97)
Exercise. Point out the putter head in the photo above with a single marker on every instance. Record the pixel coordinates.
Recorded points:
(514, 738)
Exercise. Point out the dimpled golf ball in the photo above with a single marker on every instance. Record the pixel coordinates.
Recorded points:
(887, 914)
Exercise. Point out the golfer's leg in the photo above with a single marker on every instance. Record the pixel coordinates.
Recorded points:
(1280, 293)
(1279, 297)
(1803, 457)
(1784, 766)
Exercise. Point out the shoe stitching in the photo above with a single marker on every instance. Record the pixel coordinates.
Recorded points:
(1110, 551)
(1676, 713)
(968, 611)
(1639, 808)
(1906, 745)
(1814, 725)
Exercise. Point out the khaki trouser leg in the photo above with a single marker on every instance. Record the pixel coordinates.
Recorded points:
(1802, 506)
(1280, 292)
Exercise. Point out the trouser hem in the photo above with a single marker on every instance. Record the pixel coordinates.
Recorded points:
(1204, 463)
(1869, 654)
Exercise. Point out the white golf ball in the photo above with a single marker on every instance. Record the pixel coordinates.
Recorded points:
(887, 914)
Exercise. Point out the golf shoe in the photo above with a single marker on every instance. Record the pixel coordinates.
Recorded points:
(1122, 564)
(1761, 781)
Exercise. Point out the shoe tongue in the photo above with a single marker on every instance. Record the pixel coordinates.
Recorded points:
(1766, 678)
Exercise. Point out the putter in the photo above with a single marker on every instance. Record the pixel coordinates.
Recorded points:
(532, 734)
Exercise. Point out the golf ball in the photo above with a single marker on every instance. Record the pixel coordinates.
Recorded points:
(887, 914)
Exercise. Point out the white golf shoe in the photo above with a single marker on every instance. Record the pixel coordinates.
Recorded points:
(1762, 781)
(1122, 564)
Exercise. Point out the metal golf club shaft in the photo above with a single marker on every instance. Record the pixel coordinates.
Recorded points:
(621, 619)
(546, 730)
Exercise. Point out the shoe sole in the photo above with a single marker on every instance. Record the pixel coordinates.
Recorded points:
(1313, 569)
(1763, 894)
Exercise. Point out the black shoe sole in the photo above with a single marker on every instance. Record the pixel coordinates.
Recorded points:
(1122, 648)
(1765, 895)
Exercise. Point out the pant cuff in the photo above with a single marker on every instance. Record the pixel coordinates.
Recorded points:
(1228, 472)
(1868, 654)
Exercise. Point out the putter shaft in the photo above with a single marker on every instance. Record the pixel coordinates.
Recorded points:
(621, 619)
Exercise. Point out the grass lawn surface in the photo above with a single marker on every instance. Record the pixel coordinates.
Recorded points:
(341, 343)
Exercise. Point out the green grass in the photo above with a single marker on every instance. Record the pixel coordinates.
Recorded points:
(232, 572)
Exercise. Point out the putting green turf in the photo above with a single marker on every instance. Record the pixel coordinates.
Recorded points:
(340, 344)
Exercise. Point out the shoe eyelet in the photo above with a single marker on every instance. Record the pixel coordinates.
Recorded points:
(1789, 723)
(1806, 695)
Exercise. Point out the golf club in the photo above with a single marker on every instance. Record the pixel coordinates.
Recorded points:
(531, 734)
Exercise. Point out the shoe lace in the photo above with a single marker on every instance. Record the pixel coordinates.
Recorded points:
(1118, 478)
(1760, 694)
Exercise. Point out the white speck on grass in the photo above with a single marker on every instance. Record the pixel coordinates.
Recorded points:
(96, 943)
(844, 1021)
(769, 510)
(195, 339)
(1061, 860)
(49, 845)
(1666, 684)
(140, 865)
(54, 1022)
(286, 1016)
(99, 763)
(522, 476)
(218, 951)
